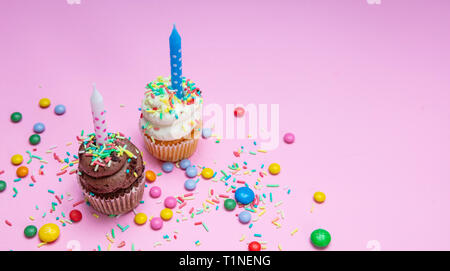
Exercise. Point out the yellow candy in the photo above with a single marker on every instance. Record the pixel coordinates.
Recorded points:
(207, 173)
(274, 168)
(319, 197)
(166, 214)
(49, 233)
(17, 159)
(140, 218)
(44, 102)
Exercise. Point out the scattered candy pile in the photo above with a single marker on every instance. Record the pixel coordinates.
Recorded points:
(236, 185)
(38, 127)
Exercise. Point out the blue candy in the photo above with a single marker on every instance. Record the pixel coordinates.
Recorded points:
(167, 167)
(185, 163)
(191, 171)
(60, 109)
(206, 132)
(39, 127)
(190, 185)
(245, 217)
(244, 195)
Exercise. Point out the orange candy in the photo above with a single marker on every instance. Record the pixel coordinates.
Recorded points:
(150, 176)
(22, 172)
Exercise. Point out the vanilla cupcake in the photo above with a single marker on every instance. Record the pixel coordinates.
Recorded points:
(171, 126)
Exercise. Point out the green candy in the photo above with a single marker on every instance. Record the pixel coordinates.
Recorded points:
(34, 139)
(30, 231)
(2, 186)
(16, 117)
(229, 204)
(320, 238)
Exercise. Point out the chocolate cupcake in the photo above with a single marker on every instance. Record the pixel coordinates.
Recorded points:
(111, 175)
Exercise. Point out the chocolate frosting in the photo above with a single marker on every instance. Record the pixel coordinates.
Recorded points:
(116, 178)
(117, 163)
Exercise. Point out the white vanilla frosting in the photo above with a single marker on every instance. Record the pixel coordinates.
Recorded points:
(164, 116)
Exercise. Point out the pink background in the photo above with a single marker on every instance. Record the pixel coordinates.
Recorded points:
(365, 89)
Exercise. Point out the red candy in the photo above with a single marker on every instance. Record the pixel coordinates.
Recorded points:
(254, 246)
(239, 112)
(75, 215)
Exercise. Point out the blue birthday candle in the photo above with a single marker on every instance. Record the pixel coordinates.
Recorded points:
(175, 62)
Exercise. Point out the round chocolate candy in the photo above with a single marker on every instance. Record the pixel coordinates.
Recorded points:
(156, 223)
(191, 171)
(75, 215)
(155, 192)
(190, 184)
(170, 202)
(167, 167)
(244, 195)
(38, 128)
(60, 109)
(289, 138)
(185, 163)
(44, 102)
(239, 112)
(254, 246)
(229, 204)
(34, 139)
(2, 186)
(320, 238)
(30, 231)
(245, 217)
(16, 117)
(206, 132)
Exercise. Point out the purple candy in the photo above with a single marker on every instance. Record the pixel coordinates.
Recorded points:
(191, 171)
(185, 163)
(60, 109)
(38, 127)
(245, 217)
(190, 185)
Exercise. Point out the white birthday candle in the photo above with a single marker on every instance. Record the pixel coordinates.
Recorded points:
(98, 116)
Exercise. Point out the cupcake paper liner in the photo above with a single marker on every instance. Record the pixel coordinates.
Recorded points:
(118, 205)
(174, 152)
(171, 153)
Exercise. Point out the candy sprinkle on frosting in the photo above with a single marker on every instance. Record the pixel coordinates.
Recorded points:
(162, 88)
(102, 154)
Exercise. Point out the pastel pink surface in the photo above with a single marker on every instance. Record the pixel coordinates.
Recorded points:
(364, 88)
